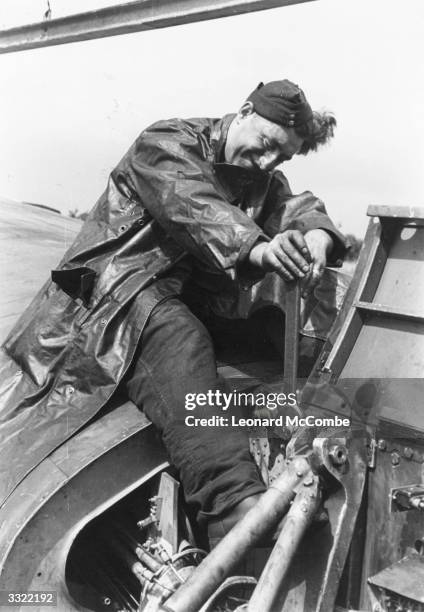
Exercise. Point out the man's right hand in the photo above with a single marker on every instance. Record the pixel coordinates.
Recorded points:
(287, 254)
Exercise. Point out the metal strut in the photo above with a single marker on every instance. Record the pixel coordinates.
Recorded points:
(126, 18)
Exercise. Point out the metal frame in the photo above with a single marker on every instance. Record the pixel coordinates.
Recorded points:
(126, 18)
(358, 303)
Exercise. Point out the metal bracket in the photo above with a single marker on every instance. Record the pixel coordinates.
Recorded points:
(410, 497)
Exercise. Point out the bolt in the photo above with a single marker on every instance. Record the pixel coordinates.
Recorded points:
(408, 452)
(382, 444)
(299, 473)
(304, 509)
(395, 458)
(338, 454)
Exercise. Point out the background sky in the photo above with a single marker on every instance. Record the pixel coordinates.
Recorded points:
(69, 113)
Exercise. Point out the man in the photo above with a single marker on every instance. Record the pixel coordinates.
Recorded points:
(193, 214)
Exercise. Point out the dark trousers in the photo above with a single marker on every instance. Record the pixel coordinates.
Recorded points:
(176, 357)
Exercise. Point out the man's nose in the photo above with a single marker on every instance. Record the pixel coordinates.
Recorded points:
(268, 161)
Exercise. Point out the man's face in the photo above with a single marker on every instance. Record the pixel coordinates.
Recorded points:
(254, 142)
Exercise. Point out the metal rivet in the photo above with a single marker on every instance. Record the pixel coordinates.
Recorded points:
(408, 452)
(122, 228)
(69, 390)
(103, 322)
(395, 458)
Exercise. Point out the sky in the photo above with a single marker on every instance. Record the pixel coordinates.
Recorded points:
(69, 112)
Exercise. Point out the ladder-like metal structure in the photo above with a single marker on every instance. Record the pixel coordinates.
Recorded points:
(386, 296)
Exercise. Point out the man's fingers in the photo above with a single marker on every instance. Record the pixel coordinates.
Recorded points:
(273, 263)
(299, 240)
(291, 247)
(291, 265)
(313, 279)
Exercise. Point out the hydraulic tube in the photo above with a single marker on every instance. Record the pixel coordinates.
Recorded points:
(299, 517)
(248, 532)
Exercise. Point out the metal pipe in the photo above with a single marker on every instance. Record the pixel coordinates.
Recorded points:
(147, 559)
(248, 532)
(299, 517)
(291, 336)
(126, 18)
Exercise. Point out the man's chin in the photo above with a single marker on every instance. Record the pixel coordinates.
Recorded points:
(247, 164)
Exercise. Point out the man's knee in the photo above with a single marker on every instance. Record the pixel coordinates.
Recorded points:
(175, 358)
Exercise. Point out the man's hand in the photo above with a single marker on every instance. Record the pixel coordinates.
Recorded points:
(294, 256)
(287, 254)
(319, 244)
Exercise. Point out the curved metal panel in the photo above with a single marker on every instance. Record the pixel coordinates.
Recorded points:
(41, 519)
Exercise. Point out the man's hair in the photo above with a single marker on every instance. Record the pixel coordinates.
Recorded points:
(316, 132)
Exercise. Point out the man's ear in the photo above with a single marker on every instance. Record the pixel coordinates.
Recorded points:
(246, 110)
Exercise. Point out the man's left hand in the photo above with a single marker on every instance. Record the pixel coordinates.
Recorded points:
(319, 243)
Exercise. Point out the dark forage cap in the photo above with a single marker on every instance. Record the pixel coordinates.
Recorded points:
(282, 102)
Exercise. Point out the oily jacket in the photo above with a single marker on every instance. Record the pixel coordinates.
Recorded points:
(170, 203)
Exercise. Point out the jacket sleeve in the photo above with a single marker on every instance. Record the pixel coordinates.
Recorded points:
(170, 169)
(303, 212)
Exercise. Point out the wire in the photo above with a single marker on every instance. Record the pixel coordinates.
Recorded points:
(48, 13)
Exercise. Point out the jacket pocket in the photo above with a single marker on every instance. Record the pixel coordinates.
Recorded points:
(77, 282)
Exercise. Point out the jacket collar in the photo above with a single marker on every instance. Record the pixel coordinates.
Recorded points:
(219, 136)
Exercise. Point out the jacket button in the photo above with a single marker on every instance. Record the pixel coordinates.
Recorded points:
(69, 390)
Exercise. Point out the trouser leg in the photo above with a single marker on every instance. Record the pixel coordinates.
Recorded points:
(175, 358)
